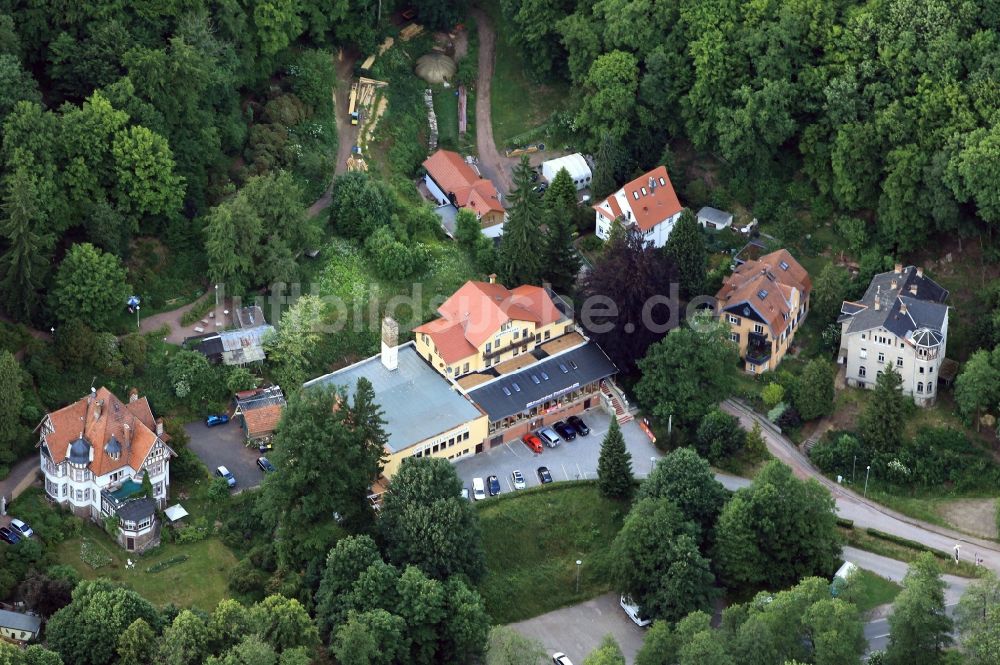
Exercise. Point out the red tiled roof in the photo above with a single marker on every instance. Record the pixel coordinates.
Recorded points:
(656, 205)
(262, 420)
(454, 176)
(99, 418)
(475, 313)
(779, 275)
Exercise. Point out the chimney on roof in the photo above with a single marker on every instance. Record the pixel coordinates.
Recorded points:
(390, 338)
(133, 395)
(159, 427)
(902, 307)
(913, 289)
(493, 278)
(894, 283)
(899, 268)
(97, 409)
(920, 271)
(127, 429)
(878, 292)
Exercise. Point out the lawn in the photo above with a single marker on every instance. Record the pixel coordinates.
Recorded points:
(446, 110)
(199, 581)
(857, 537)
(533, 540)
(519, 104)
(867, 590)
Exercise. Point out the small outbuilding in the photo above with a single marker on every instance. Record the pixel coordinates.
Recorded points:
(19, 628)
(259, 411)
(576, 165)
(714, 219)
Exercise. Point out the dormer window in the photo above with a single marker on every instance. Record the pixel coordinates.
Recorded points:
(784, 266)
(635, 195)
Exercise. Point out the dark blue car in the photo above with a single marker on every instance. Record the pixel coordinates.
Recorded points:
(9, 536)
(219, 419)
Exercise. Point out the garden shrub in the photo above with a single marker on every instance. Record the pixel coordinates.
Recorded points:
(167, 563)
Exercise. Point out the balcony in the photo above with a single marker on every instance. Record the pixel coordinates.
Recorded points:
(758, 349)
(524, 341)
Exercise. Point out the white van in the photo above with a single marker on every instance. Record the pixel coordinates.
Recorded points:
(478, 489)
(632, 610)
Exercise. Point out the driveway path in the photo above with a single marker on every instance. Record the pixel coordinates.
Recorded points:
(866, 513)
(26, 467)
(491, 164)
(347, 134)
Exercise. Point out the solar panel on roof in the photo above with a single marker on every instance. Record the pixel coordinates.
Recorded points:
(544, 376)
(506, 391)
(563, 368)
(517, 388)
(572, 363)
(535, 379)
(784, 266)
(762, 294)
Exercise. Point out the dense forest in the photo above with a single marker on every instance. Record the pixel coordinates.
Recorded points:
(888, 110)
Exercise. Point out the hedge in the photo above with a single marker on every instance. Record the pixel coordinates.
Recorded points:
(906, 542)
(846, 523)
(167, 563)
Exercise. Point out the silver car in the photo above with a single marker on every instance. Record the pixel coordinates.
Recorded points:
(548, 436)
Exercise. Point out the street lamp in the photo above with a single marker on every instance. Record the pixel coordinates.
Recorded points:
(137, 316)
(854, 468)
(652, 464)
(578, 564)
(867, 473)
(216, 296)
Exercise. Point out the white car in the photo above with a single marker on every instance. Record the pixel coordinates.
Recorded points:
(478, 489)
(21, 528)
(223, 472)
(559, 658)
(632, 610)
(518, 480)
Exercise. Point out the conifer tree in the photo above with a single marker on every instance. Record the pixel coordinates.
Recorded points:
(686, 249)
(562, 263)
(520, 255)
(614, 467)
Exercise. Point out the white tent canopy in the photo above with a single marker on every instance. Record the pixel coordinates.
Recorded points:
(575, 164)
(435, 67)
(175, 512)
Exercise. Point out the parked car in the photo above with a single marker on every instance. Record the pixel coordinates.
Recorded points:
(549, 436)
(9, 536)
(465, 493)
(265, 447)
(494, 484)
(265, 465)
(478, 489)
(217, 419)
(565, 431)
(559, 658)
(21, 528)
(632, 610)
(576, 422)
(533, 442)
(544, 477)
(518, 480)
(223, 472)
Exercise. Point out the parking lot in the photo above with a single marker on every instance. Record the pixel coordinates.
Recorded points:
(222, 445)
(571, 460)
(579, 629)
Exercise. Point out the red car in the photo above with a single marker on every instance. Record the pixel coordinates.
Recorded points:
(532, 442)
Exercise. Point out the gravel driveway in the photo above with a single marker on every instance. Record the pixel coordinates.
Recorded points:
(223, 446)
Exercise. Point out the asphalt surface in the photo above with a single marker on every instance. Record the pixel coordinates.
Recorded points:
(222, 445)
(571, 460)
(578, 630)
(865, 513)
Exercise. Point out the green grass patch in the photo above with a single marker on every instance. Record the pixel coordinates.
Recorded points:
(533, 540)
(866, 590)
(199, 580)
(863, 540)
(520, 105)
(446, 110)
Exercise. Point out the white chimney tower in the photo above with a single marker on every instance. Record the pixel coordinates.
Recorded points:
(390, 339)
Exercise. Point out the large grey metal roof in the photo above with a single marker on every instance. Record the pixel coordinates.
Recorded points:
(922, 297)
(417, 402)
(18, 621)
(555, 375)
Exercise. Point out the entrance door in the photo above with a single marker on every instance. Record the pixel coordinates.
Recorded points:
(479, 448)
(130, 544)
(586, 404)
(496, 441)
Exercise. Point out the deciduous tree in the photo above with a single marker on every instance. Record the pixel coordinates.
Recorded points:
(425, 522)
(919, 628)
(978, 386)
(829, 291)
(686, 479)
(719, 436)
(687, 373)
(658, 563)
(506, 646)
(978, 620)
(814, 391)
(90, 286)
(777, 531)
(608, 107)
(608, 653)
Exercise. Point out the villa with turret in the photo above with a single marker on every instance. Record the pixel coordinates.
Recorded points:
(94, 454)
(901, 322)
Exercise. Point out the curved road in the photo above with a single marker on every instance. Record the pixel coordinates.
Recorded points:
(863, 512)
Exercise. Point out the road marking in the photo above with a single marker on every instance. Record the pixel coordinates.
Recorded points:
(581, 473)
(878, 637)
(511, 449)
(564, 470)
(509, 486)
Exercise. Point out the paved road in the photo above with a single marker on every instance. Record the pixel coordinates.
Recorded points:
(223, 446)
(27, 467)
(578, 630)
(877, 631)
(571, 460)
(865, 513)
